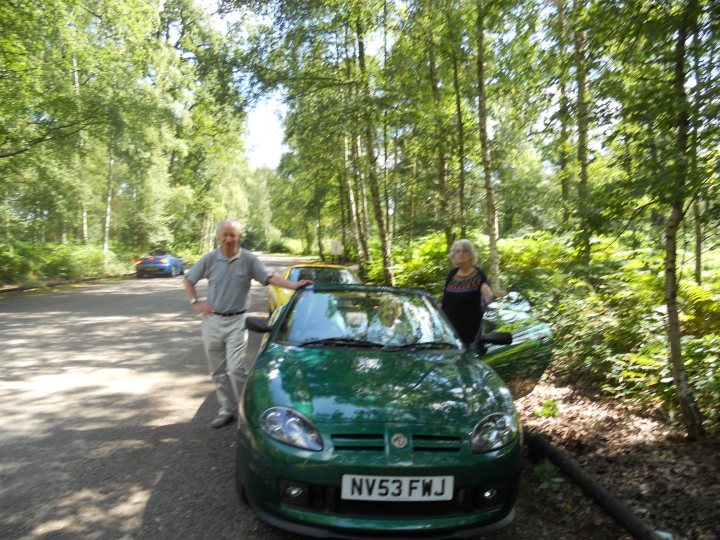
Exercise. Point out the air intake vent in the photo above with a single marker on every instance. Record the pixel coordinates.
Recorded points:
(436, 443)
(359, 441)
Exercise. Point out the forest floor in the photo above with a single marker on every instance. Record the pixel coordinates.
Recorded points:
(670, 484)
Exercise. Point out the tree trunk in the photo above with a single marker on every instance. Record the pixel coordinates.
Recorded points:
(580, 37)
(461, 147)
(361, 198)
(372, 164)
(694, 143)
(490, 210)
(697, 218)
(108, 198)
(354, 215)
(563, 115)
(81, 144)
(84, 222)
(344, 222)
(321, 247)
(442, 198)
(690, 412)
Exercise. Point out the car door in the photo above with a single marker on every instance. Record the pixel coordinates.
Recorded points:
(521, 363)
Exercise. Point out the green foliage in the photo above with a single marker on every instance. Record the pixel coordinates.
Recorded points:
(548, 475)
(278, 246)
(15, 262)
(25, 263)
(645, 378)
(421, 264)
(702, 359)
(549, 409)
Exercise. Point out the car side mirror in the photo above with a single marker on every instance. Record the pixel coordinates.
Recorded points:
(257, 324)
(495, 338)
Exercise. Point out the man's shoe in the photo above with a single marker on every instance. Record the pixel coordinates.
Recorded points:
(222, 419)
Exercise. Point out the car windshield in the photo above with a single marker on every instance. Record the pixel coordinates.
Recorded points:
(322, 275)
(366, 319)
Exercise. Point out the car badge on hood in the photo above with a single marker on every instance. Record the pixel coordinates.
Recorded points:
(398, 440)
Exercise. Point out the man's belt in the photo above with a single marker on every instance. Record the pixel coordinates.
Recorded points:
(229, 313)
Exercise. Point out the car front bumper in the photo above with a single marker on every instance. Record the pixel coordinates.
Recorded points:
(164, 270)
(265, 469)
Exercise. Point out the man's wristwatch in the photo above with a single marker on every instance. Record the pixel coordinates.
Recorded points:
(194, 301)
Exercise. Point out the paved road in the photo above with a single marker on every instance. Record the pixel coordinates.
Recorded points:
(104, 406)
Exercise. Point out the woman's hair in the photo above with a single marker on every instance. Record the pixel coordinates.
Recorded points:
(464, 245)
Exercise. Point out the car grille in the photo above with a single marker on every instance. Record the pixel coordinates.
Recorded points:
(371, 442)
(376, 442)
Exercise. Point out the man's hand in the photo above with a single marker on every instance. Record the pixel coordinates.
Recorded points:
(279, 281)
(203, 308)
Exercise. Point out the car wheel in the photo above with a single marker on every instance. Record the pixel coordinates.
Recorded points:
(239, 486)
(173, 272)
(139, 275)
(242, 494)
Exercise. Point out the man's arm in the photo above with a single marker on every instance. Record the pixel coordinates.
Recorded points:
(200, 307)
(279, 281)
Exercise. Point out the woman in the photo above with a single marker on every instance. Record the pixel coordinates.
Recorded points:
(467, 291)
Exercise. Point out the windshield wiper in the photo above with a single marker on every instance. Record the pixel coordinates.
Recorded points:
(341, 342)
(422, 345)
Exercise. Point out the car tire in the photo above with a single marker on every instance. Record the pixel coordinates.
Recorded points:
(242, 495)
(239, 486)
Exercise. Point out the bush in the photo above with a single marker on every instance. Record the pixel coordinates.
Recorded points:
(25, 263)
(278, 246)
(15, 264)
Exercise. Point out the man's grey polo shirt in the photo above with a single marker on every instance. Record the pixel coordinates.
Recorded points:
(229, 279)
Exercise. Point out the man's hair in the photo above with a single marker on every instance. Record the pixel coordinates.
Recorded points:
(235, 223)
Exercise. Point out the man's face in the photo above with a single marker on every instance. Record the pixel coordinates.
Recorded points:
(229, 237)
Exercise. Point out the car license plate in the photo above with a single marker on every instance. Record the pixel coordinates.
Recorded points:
(397, 488)
(151, 269)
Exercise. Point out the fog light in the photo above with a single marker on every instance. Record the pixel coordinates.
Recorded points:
(490, 494)
(294, 492)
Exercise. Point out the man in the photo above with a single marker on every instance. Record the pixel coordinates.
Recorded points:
(229, 271)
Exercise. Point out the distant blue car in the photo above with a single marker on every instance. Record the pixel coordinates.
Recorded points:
(159, 263)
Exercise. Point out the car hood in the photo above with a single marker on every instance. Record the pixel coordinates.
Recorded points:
(342, 386)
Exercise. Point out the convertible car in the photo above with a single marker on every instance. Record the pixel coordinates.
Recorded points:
(364, 415)
(159, 263)
(316, 272)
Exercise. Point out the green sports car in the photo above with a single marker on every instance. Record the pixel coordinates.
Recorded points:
(364, 415)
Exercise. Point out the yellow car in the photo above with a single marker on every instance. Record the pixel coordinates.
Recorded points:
(318, 273)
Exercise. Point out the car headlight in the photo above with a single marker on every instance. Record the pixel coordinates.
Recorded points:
(291, 427)
(494, 431)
